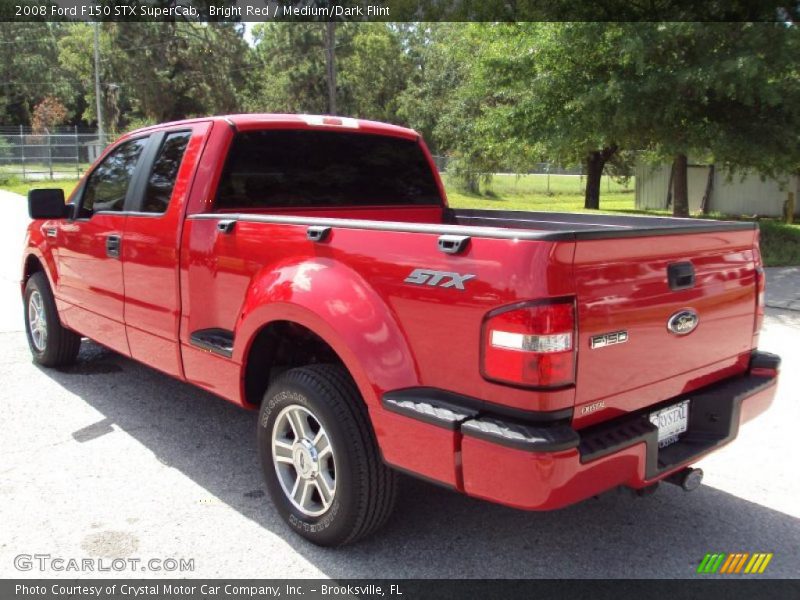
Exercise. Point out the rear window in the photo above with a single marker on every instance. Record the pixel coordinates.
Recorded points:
(302, 168)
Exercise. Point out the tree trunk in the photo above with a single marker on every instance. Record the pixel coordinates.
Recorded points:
(705, 203)
(595, 163)
(471, 184)
(330, 64)
(669, 185)
(680, 204)
(788, 209)
(594, 172)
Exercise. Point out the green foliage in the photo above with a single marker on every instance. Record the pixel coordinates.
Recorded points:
(728, 90)
(495, 97)
(28, 69)
(444, 102)
(149, 71)
(5, 148)
(290, 69)
(289, 73)
(580, 92)
(8, 181)
(780, 243)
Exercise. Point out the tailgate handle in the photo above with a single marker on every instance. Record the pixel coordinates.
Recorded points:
(680, 275)
(453, 244)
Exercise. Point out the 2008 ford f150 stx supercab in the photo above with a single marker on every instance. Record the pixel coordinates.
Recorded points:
(311, 266)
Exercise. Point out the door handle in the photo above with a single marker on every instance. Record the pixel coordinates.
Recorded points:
(112, 246)
(226, 225)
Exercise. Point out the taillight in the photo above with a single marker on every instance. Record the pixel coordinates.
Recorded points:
(530, 344)
(761, 287)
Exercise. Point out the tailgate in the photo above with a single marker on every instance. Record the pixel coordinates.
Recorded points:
(628, 356)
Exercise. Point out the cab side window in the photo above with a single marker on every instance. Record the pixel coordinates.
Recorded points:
(165, 171)
(108, 184)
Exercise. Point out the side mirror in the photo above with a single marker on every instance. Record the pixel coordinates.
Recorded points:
(47, 204)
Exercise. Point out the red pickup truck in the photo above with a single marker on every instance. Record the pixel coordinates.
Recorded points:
(310, 266)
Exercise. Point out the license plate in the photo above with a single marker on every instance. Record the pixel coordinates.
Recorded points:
(671, 422)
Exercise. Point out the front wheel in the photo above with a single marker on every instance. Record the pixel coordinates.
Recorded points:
(320, 459)
(51, 344)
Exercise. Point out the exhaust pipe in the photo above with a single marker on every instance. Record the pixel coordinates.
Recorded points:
(689, 479)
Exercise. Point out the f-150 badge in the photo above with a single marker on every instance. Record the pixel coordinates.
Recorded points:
(608, 339)
(445, 279)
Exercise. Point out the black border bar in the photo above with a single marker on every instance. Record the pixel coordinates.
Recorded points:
(400, 10)
(695, 586)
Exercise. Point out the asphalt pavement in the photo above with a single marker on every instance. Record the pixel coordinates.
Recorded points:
(110, 459)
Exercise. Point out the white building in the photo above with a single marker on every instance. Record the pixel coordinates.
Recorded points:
(733, 196)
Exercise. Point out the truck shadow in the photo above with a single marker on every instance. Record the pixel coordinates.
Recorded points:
(434, 532)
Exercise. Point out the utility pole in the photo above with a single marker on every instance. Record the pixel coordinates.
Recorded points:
(330, 60)
(100, 133)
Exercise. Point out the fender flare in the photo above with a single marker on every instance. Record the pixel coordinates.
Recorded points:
(47, 262)
(335, 303)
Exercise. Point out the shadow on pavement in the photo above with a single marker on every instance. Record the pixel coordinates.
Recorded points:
(434, 532)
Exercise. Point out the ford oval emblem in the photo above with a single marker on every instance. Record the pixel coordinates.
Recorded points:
(683, 322)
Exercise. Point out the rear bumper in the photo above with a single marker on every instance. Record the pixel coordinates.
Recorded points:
(544, 465)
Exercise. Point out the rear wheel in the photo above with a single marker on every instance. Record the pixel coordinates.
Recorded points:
(51, 344)
(320, 459)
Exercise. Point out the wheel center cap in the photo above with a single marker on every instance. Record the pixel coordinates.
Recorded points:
(305, 458)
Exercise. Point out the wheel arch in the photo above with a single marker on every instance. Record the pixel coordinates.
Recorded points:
(34, 262)
(334, 315)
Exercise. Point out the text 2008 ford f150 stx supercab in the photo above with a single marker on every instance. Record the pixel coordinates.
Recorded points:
(311, 266)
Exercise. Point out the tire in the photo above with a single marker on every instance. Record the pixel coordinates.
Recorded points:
(51, 344)
(364, 488)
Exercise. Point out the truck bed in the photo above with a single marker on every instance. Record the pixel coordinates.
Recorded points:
(579, 226)
(499, 224)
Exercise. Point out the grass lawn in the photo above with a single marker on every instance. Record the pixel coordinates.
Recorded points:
(19, 187)
(58, 167)
(780, 243)
(530, 192)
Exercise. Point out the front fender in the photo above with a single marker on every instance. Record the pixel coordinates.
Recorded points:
(36, 246)
(337, 304)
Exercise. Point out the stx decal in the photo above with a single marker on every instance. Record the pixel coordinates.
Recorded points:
(444, 279)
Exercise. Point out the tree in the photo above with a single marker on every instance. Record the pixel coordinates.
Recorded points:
(180, 70)
(581, 92)
(290, 73)
(444, 100)
(295, 71)
(725, 91)
(373, 72)
(330, 65)
(48, 114)
(29, 70)
(550, 94)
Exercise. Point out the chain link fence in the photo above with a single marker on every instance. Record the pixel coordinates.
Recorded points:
(63, 153)
(539, 168)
